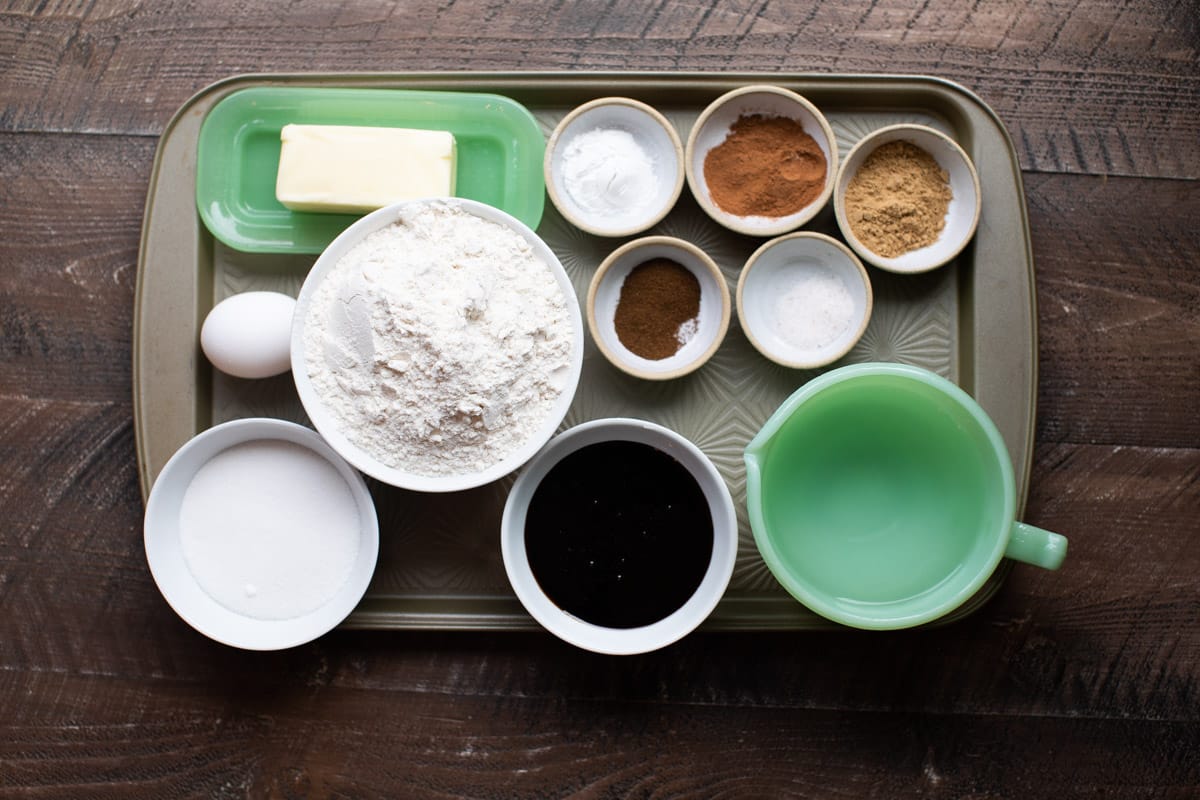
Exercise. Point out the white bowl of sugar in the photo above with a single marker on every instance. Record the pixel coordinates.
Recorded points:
(259, 535)
(804, 300)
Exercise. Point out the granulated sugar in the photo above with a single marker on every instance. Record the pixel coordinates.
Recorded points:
(440, 343)
(269, 529)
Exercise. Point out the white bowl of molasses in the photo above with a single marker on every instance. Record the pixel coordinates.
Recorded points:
(620, 536)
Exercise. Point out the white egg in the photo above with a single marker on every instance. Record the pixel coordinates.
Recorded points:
(249, 335)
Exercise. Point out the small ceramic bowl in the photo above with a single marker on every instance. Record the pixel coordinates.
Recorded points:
(597, 638)
(804, 300)
(590, 199)
(962, 217)
(604, 295)
(184, 593)
(713, 126)
(327, 423)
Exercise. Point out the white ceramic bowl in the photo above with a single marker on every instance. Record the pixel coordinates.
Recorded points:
(327, 424)
(620, 641)
(652, 132)
(164, 548)
(711, 129)
(962, 217)
(762, 297)
(605, 292)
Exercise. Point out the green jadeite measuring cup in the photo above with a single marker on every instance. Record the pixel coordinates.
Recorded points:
(882, 496)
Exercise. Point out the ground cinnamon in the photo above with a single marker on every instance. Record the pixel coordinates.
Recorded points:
(766, 167)
(658, 299)
(897, 200)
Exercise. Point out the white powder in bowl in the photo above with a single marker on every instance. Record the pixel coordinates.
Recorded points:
(813, 309)
(439, 343)
(269, 529)
(609, 174)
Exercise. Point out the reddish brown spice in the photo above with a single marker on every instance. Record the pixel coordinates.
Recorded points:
(766, 167)
(657, 297)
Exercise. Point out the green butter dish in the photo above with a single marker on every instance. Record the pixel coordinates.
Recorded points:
(500, 151)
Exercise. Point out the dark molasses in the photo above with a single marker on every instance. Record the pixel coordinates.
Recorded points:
(619, 534)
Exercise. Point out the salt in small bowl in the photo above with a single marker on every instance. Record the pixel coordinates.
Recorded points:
(766, 296)
(651, 131)
(604, 294)
(713, 126)
(962, 216)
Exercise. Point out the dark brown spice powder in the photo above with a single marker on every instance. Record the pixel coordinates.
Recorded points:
(656, 298)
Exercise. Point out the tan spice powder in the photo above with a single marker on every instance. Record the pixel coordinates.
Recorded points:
(897, 201)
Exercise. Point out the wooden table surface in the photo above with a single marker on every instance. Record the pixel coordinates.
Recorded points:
(1082, 682)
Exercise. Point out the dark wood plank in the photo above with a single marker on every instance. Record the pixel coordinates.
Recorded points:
(1081, 682)
(1088, 87)
(71, 210)
(172, 741)
(1118, 309)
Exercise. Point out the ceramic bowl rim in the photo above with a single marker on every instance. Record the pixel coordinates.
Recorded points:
(621, 641)
(193, 605)
(323, 419)
(732, 221)
(780, 241)
(842, 179)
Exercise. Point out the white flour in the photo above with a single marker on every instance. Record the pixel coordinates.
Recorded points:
(440, 343)
(273, 547)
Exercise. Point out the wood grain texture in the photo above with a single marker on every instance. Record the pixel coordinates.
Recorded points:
(1088, 87)
(1118, 294)
(177, 742)
(1084, 682)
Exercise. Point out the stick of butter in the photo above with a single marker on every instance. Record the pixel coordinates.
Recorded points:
(351, 169)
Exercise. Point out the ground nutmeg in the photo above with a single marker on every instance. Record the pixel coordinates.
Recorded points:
(657, 309)
(766, 167)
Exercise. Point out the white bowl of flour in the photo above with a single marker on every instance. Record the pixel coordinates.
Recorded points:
(437, 344)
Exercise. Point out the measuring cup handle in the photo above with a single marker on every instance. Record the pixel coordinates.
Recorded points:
(1036, 546)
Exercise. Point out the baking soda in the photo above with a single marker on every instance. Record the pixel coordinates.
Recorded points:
(269, 529)
(608, 174)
